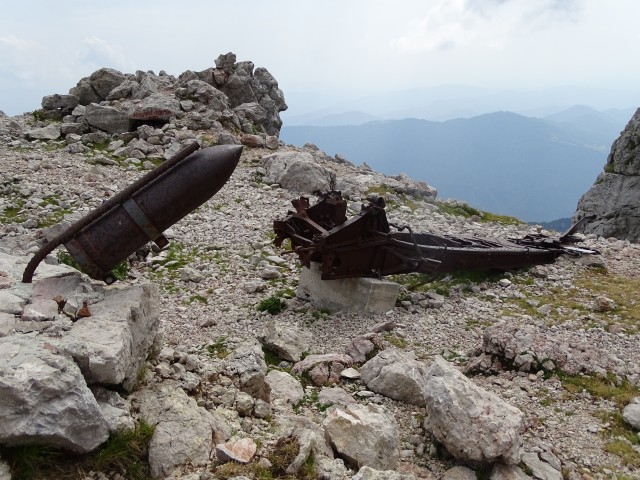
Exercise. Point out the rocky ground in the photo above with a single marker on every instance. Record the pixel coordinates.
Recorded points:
(580, 314)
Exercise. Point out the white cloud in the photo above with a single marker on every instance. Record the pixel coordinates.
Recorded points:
(99, 53)
(482, 23)
(16, 44)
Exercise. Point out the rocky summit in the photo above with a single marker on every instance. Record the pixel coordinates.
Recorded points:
(613, 198)
(206, 353)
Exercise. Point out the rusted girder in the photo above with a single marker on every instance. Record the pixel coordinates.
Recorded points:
(365, 245)
(142, 211)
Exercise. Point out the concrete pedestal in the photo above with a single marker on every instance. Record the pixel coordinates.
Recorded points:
(367, 295)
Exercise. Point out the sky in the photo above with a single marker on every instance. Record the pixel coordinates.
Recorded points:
(331, 48)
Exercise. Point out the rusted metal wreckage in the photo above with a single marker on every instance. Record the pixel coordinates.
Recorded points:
(366, 246)
(143, 210)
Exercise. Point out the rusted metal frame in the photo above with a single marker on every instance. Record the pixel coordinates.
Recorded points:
(120, 197)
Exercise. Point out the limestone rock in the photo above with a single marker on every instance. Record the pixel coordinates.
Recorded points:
(334, 396)
(248, 365)
(97, 86)
(286, 341)
(368, 473)
(522, 346)
(5, 471)
(631, 413)
(157, 108)
(540, 469)
(473, 424)
(323, 369)
(330, 468)
(61, 103)
(241, 451)
(44, 398)
(108, 119)
(112, 345)
(507, 472)
(459, 473)
(395, 374)
(297, 172)
(360, 347)
(363, 435)
(50, 132)
(613, 196)
(285, 389)
(115, 409)
(184, 433)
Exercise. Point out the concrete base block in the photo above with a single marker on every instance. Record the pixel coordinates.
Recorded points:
(367, 295)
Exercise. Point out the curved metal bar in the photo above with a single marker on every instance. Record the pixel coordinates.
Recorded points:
(117, 199)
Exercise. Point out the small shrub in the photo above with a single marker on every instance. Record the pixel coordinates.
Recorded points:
(273, 305)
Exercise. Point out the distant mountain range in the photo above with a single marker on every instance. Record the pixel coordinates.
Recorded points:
(533, 168)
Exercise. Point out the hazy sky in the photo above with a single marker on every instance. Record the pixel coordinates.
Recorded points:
(332, 47)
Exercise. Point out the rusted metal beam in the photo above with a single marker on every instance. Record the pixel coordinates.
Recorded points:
(366, 246)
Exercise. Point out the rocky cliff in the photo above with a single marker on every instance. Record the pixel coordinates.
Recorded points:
(614, 198)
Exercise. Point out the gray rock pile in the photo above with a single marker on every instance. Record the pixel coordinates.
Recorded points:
(613, 198)
(144, 115)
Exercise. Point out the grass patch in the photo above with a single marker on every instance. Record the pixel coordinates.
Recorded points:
(198, 299)
(123, 452)
(396, 341)
(12, 214)
(618, 428)
(627, 454)
(218, 349)
(589, 285)
(608, 388)
(463, 210)
(420, 282)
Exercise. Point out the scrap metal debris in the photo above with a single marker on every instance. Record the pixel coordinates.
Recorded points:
(366, 246)
(83, 311)
(141, 212)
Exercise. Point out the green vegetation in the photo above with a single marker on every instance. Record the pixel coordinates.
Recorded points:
(39, 115)
(609, 388)
(197, 298)
(124, 452)
(391, 197)
(618, 428)
(271, 358)
(589, 285)
(310, 397)
(466, 211)
(273, 305)
(218, 349)
(628, 455)
(13, 214)
(420, 282)
(396, 341)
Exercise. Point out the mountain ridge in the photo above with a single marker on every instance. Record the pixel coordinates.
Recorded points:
(483, 160)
